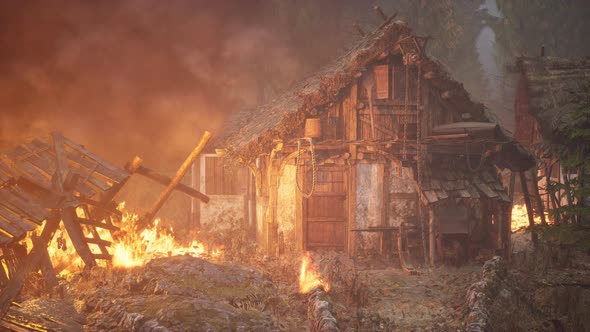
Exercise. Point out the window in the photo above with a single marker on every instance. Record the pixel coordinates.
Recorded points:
(382, 81)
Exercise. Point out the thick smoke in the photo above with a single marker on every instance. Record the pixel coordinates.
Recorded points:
(136, 77)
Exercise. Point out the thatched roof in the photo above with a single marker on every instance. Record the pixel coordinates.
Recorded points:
(554, 88)
(249, 133)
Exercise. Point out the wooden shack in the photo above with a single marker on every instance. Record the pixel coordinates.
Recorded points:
(381, 143)
(549, 90)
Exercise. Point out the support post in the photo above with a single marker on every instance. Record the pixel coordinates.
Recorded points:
(432, 236)
(539, 201)
(74, 229)
(527, 202)
(32, 260)
(195, 203)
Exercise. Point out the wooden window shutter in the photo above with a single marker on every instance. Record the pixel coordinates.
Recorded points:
(382, 81)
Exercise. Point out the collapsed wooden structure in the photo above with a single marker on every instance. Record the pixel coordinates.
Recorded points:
(379, 141)
(57, 177)
(51, 180)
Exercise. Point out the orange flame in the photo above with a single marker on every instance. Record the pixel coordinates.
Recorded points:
(520, 218)
(135, 248)
(309, 278)
(131, 246)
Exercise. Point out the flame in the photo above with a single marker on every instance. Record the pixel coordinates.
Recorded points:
(131, 246)
(135, 248)
(520, 219)
(309, 278)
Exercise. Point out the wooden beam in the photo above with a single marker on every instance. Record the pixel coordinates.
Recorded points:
(527, 202)
(97, 241)
(380, 12)
(162, 179)
(61, 161)
(537, 195)
(105, 256)
(431, 236)
(177, 178)
(23, 270)
(69, 218)
(47, 268)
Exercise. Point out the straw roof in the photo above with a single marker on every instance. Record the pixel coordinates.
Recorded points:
(252, 132)
(554, 87)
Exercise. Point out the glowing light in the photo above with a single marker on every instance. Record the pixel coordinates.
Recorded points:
(131, 246)
(520, 219)
(309, 278)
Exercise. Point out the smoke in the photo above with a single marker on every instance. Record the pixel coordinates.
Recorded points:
(141, 77)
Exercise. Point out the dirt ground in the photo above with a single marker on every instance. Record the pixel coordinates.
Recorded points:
(192, 294)
(185, 293)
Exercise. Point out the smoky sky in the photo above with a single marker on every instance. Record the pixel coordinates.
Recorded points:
(141, 77)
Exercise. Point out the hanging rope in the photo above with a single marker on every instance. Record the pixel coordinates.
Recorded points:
(405, 116)
(313, 168)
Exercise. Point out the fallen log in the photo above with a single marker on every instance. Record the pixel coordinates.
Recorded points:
(319, 317)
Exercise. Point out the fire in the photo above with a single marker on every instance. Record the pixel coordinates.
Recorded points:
(135, 248)
(131, 246)
(520, 219)
(309, 278)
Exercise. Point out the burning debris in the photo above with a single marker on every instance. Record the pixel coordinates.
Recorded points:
(68, 191)
(309, 278)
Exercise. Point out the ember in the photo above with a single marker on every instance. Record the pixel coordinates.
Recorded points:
(309, 278)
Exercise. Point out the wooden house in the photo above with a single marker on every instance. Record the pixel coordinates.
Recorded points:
(380, 143)
(549, 90)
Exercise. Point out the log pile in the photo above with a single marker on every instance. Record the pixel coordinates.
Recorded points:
(319, 317)
(480, 295)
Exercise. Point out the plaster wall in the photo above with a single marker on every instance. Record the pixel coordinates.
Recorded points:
(369, 205)
(402, 196)
(261, 204)
(222, 211)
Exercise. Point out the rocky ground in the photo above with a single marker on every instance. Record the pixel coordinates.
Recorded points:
(185, 293)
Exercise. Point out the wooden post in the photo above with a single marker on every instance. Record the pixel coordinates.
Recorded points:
(352, 250)
(24, 270)
(68, 215)
(511, 187)
(195, 203)
(177, 178)
(539, 201)
(432, 236)
(500, 225)
(380, 12)
(61, 161)
(527, 202)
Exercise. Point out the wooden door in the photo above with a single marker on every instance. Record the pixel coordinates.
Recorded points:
(325, 212)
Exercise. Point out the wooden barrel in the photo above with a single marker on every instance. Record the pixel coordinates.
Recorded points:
(313, 128)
